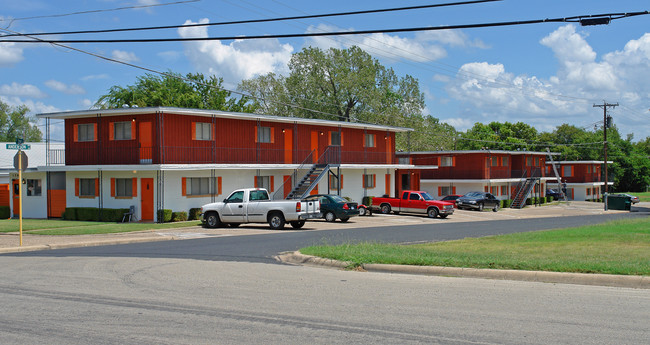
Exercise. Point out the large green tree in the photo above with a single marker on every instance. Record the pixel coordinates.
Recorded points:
(173, 90)
(14, 123)
(498, 136)
(346, 85)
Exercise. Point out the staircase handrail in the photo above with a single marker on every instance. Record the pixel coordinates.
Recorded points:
(292, 177)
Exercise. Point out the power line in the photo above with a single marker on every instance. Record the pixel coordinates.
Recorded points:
(98, 11)
(264, 20)
(573, 19)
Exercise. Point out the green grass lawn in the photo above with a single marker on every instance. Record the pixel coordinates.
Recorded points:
(68, 227)
(618, 247)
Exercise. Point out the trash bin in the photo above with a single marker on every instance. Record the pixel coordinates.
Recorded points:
(619, 202)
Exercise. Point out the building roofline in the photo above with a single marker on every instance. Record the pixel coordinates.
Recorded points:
(581, 162)
(217, 113)
(477, 151)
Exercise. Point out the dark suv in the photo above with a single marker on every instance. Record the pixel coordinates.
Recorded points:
(478, 201)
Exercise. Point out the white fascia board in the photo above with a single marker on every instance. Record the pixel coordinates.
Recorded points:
(217, 113)
(581, 162)
(176, 167)
(496, 180)
(477, 151)
(378, 166)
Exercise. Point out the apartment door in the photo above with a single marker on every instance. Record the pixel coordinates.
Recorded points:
(146, 199)
(288, 146)
(146, 149)
(314, 146)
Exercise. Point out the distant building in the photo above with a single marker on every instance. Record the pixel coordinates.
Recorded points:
(584, 180)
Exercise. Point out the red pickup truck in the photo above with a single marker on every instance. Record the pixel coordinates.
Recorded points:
(413, 201)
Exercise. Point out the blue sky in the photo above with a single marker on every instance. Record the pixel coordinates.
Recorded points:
(541, 74)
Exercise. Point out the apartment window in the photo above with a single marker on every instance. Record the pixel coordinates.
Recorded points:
(122, 130)
(494, 161)
(86, 132)
(264, 135)
(369, 181)
(588, 191)
(504, 161)
(567, 171)
(445, 190)
(33, 187)
(370, 140)
(197, 186)
(264, 182)
(203, 131)
(494, 190)
(336, 183)
(335, 138)
(86, 187)
(403, 160)
(504, 190)
(446, 161)
(124, 187)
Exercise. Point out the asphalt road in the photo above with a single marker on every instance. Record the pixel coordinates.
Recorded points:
(229, 290)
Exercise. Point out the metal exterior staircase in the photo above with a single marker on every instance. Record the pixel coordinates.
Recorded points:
(309, 181)
(523, 191)
(557, 175)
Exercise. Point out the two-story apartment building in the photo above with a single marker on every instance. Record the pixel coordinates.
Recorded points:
(173, 158)
(583, 179)
(458, 172)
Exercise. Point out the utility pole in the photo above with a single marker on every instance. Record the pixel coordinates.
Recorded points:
(606, 124)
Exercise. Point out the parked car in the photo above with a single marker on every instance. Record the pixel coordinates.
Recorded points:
(633, 199)
(253, 205)
(413, 201)
(478, 201)
(554, 193)
(451, 198)
(334, 206)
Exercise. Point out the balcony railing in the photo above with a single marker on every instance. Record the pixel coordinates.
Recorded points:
(478, 174)
(208, 155)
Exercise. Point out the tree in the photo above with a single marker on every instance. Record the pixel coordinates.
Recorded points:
(14, 123)
(344, 85)
(499, 136)
(173, 90)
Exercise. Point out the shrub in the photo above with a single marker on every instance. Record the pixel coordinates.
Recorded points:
(70, 213)
(88, 213)
(179, 216)
(542, 200)
(164, 215)
(5, 212)
(113, 214)
(549, 199)
(194, 214)
(506, 203)
(367, 200)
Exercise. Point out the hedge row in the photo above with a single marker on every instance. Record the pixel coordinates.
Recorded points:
(5, 212)
(94, 214)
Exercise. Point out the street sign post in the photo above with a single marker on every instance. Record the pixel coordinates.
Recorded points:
(20, 163)
(19, 146)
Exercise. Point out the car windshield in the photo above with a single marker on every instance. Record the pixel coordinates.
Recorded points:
(426, 196)
(473, 194)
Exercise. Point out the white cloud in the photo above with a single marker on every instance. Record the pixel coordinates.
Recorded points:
(240, 59)
(71, 89)
(95, 77)
(124, 56)
(21, 90)
(170, 55)
(86, 103)
(34, 107)
(493, 94)
(10, 53)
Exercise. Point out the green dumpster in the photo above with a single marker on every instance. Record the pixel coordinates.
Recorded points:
(619, 202)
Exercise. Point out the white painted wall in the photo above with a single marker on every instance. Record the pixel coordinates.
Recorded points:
(33, 206)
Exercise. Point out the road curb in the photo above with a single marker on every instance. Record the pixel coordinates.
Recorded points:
(84, 244)
(637, 282)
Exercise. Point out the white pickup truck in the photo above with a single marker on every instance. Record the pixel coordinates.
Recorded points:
(253, 205)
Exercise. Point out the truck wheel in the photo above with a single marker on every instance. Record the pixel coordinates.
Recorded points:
(432, 212)
(480, 206)
(276, 221)
(362, 211)
(297, 224)
(496, 208)
(330, 217)
(385, 209)
(212, 220)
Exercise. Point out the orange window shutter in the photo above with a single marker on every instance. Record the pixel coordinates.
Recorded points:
(193, 130)
(111, 131)
(112, 187)
(341, 182)
(76, 132)
(256, 134)
(94, 132)
(219, 185)
(96, 187)
(133, 130)
(374, 180)
(341, 138)
(184, 186)
(272, 135)
(486, 189)
(134, 188)
(453, 161)
(255, 182)
(363, 180)
(439, 191)
(272, 185)
(453, 190)
(76, 187)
